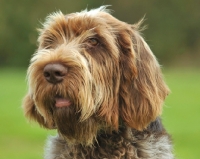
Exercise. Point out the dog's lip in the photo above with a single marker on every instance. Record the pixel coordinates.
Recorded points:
(62, 102)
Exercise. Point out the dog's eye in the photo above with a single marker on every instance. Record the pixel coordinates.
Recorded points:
(93, 41)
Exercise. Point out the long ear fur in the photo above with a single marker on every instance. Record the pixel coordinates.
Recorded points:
(31, 112)
(142, 88)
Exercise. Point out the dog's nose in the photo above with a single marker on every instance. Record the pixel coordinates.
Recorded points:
(54, 73)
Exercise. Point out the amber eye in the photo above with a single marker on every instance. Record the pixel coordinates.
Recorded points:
(93, 41)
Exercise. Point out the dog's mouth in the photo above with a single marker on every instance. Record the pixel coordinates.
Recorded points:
(62, 102)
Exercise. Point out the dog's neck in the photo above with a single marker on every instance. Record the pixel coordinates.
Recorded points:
(124, 143)
(105, 141)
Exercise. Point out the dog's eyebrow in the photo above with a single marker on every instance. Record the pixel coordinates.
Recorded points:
(91, 31)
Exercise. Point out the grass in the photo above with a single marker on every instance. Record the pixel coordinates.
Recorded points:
(181, 112)
(18, 139)
(21, 140)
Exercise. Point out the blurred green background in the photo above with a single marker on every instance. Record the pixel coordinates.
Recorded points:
(173, 34)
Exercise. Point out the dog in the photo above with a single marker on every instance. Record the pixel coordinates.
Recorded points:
(95, 80)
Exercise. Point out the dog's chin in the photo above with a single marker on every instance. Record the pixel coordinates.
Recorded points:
(67, 120)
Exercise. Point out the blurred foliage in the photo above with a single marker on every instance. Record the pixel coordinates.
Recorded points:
(173, 26)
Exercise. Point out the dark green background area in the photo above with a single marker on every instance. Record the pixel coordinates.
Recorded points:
(173, 26)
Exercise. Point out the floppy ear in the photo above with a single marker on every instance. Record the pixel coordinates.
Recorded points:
(31, 112)
(142, 88)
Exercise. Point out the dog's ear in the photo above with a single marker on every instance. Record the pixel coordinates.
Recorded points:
(32, 113)
(142, 88)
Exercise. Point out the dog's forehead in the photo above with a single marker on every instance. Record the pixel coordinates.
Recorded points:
(59, 28)
(78, 21)
(86, 20)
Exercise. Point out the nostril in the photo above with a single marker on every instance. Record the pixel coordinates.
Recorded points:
(46, 74)
(54, 73)
(59, 73)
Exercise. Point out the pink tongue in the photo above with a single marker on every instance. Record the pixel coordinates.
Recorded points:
(61, 102)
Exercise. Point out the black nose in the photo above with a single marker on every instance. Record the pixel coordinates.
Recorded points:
(54, 73)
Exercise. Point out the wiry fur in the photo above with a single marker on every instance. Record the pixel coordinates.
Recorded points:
(127, 144)
(116, 89)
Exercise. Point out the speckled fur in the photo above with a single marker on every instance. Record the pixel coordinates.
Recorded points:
(153, 143)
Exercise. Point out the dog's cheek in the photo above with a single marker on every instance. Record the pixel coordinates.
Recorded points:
(31, 112)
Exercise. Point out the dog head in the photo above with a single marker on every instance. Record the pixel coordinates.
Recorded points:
(90, 71)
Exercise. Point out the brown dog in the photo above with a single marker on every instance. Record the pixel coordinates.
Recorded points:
(95, 80)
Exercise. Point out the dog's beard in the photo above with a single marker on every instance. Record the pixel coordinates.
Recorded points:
(68, 119)
(69, 126)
